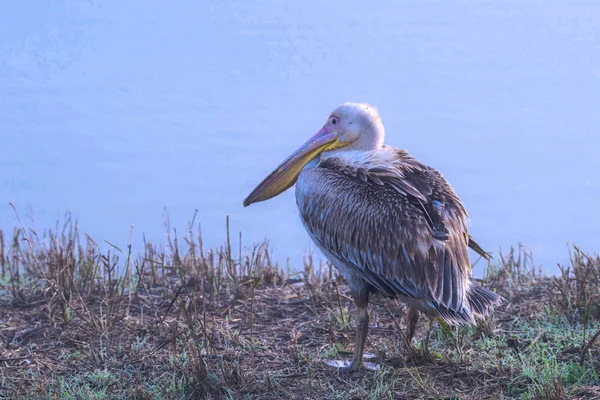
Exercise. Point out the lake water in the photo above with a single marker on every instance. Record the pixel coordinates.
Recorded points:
(115, 110)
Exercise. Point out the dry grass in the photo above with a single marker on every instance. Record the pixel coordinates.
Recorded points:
(189, 322)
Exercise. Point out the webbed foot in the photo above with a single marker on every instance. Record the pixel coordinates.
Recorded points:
(347, 366)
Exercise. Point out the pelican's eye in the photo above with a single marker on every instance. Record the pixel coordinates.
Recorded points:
(333, 121)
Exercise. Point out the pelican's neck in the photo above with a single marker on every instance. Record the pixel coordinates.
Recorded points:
(386, 157)
(368, 140)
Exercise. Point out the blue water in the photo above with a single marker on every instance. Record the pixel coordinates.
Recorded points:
(115, 110)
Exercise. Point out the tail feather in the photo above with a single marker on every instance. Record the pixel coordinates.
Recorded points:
(455, 317)
(482, 301)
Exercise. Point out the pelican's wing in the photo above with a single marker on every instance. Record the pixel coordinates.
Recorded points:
(419, 181)
(374, 214)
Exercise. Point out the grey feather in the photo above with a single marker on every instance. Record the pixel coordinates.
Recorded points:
(393, 225)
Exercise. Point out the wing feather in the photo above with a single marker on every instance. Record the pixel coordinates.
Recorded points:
(378, 216)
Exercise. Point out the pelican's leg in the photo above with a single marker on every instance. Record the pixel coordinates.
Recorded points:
(411, 324)
(361, 299)
(427, 336)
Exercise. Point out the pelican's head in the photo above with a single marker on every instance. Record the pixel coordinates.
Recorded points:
(351, 126)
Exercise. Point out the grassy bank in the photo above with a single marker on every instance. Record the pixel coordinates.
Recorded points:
(183, 321)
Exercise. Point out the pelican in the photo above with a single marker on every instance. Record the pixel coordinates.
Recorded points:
(388, 223)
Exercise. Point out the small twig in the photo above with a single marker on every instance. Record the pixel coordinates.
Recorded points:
(14, 359)
(339, 301)
(587, 346)
(171, 305)
(534, 341)
(286, 283)
(404, 337)
(255, 283)
(139, 270)
(128, 272)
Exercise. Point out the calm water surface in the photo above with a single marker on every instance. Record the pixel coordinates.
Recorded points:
(115, 110)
